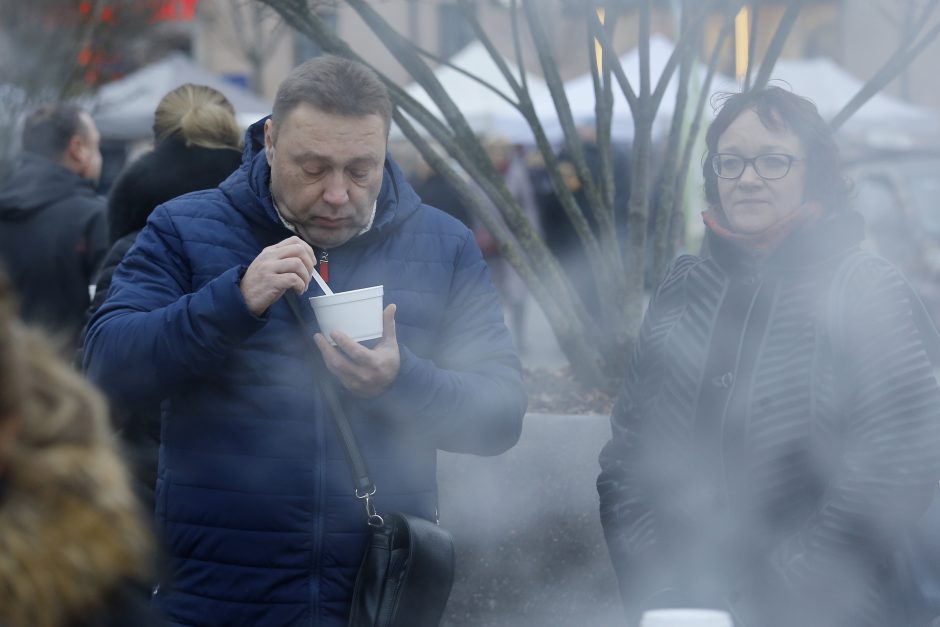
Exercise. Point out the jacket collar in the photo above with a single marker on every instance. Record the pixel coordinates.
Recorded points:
(37, 182)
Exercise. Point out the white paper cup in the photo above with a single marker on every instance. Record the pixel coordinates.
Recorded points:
(685, 618)
(357, 313)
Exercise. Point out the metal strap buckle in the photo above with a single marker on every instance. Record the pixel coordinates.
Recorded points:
(374, 519)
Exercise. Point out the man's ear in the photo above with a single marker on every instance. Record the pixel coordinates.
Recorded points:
(269, 140)
(75, 154)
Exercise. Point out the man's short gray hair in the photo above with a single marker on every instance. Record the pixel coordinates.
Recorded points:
(334, 85)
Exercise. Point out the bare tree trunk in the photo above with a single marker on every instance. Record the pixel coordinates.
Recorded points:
(255, 40)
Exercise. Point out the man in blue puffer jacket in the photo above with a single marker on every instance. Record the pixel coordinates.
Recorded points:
(254, 496)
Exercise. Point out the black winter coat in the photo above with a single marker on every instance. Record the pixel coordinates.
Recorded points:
(170, 170)
(752, 466)
(53, 237)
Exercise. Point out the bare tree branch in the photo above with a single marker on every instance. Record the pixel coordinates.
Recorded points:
(777, 42)
(572, 139)
(667, 203)
(888, 72)
(751, 45)
(683, 46)
(686, 160)
(638, 207)
(517, 43)
(610, 52)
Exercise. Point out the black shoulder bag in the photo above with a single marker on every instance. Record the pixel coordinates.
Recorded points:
(408, 568)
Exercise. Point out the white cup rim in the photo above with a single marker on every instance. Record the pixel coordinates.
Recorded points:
(337, 298)
(708, 616)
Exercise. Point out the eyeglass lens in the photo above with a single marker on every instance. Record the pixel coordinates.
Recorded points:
(770, 166)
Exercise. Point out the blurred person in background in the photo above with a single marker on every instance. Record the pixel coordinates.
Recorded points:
(197, 144)
(509, 161)
(435, 190)
(559, 232)
(777, 435)
(53, 230)
(74, 544)
(254, 495)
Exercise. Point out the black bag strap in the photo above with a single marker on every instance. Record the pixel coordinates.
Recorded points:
(364, 489)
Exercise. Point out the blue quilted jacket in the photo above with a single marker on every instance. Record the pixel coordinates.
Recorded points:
(254, 496)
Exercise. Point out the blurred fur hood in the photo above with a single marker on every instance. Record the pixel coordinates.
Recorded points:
(71, 532)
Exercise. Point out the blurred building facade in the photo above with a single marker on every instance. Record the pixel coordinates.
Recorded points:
(247, 41)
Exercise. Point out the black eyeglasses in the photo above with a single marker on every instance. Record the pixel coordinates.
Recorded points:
(770, 167)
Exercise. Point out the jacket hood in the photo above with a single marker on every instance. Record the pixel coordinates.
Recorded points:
(36, 183)
(250, 190)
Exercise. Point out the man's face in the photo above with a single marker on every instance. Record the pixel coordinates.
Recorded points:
(326, 172)
(89, 152)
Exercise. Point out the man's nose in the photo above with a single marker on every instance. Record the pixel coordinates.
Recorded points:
(336, 192)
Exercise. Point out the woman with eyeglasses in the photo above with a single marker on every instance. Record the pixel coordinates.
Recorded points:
(778, 429)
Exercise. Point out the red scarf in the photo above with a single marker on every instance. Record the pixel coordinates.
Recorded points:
(762, 243)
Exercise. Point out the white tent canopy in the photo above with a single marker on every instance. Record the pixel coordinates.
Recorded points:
(581, 97)
(124, 109)
(830, 87)
(486, 112)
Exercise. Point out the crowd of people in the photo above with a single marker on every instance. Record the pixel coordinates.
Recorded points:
(775, 442)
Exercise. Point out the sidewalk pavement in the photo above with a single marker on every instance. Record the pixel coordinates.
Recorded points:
(530, 548)
(539, 348)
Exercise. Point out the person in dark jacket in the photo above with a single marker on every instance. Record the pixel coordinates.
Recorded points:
(197, 146)
(777, 432)
(254, 495)
(53, 230)
(75, 549)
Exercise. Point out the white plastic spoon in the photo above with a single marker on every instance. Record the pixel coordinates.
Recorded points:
(323, 286)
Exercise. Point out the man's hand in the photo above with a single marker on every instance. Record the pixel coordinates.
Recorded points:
(364, 372)
(284, 266)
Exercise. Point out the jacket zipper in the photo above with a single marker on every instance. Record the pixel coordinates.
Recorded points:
(758, 313)
(318, 523)
(323, 265)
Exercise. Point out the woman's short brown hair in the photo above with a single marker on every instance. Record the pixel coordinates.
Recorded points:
(781, 109)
